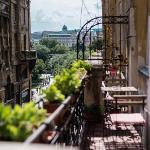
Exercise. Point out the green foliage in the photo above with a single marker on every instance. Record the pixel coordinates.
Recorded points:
(48, 43)
(39, 68)
(59, 49)
(18, 123)
(81, 64)
(52, 94)
(97, 44)
(68, 81)
(42, 52)
(53, 47)
(59, 62)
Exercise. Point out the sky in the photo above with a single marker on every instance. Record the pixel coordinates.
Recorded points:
(51, 15)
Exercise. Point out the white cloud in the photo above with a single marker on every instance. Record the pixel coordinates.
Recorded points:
(53, 14)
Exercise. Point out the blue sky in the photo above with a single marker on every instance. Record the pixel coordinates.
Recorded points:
(53, 14)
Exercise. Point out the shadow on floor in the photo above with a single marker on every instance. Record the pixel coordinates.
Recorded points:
(99, 137)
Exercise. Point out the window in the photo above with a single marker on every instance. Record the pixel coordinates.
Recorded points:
(25, 42)
(23, 16)
(24, 73)
(9, 92)
(15, 41)
(17, 73)
(5, 27)
(15, 13)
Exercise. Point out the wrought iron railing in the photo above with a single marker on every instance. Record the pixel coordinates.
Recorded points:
(70, 132)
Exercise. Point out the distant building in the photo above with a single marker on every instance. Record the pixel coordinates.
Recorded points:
(65, 37)
(16, 58)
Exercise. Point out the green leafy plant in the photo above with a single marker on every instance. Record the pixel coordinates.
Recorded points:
(18, 123)
(81, 64)
(53, 94)
(68, 81)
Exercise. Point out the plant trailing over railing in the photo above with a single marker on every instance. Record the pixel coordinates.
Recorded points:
(67, 82)
(18, 123)
(81, 64)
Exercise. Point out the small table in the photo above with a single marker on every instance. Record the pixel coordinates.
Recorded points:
(132, 118)
(119, 89)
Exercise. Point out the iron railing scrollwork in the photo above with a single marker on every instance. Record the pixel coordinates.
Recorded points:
(92, 23)
(71, 132)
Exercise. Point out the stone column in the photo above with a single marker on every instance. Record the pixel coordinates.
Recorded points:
(92, 89)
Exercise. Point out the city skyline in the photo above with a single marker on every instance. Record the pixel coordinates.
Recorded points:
(52, 15)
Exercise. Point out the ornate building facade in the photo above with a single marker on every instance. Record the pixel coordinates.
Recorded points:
(16, 57)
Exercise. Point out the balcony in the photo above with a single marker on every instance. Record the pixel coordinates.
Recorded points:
(81, 129)
(26, 55)
(88, 129)
(4, 8)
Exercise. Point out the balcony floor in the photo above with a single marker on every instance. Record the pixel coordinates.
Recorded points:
(98, 137)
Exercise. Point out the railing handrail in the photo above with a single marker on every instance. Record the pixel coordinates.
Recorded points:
(48, 121)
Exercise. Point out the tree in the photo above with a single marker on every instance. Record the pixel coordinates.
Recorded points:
(59, 49)
(38, 69)
(53, 46)
(42, 52)
(96, 44)
(48, 43)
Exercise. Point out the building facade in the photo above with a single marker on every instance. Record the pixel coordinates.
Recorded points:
(16, 57)
(135, 45)
(65, 37)
(68, 38)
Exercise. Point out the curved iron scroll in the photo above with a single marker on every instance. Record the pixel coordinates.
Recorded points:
(93, 22)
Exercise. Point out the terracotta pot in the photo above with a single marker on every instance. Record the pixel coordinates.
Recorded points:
(51, 107)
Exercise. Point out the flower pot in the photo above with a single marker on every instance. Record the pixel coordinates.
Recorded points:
(51, 107)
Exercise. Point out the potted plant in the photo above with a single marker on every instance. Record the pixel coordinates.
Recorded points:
(18, 123)
(81, 64)
(83, 69)
(68, 81)
(53, 98)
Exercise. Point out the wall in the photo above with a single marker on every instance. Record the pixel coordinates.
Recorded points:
(14, 72)
(135, 42)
